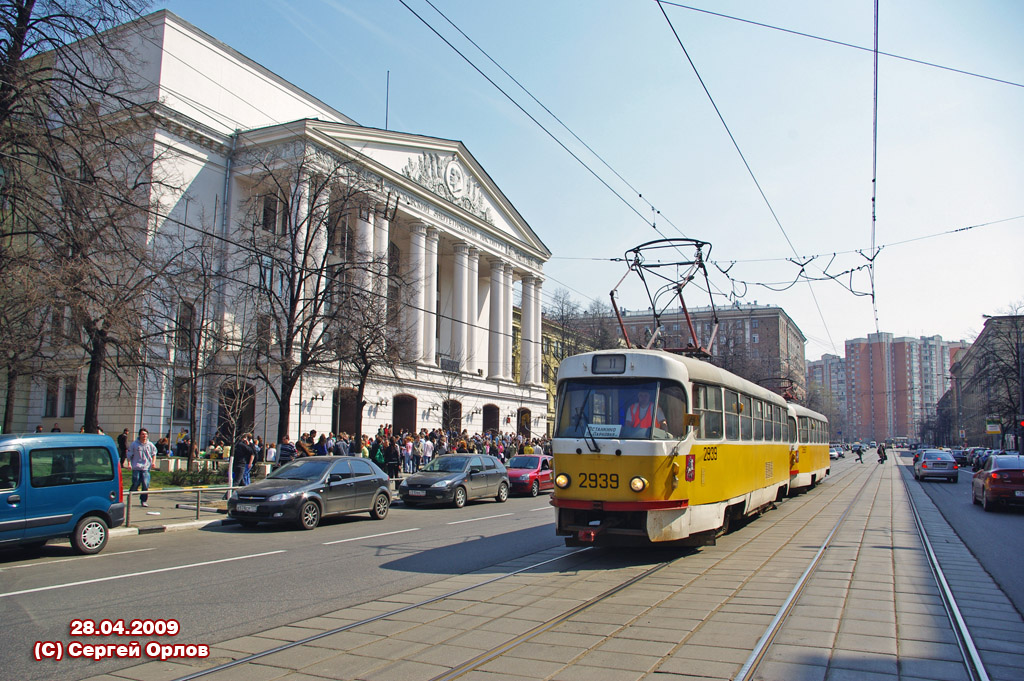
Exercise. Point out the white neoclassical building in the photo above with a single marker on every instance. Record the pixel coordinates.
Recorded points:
(427, 207)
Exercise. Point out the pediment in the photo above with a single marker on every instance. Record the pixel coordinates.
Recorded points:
(441, 173)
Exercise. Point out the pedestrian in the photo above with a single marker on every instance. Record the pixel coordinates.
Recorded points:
(244, 455)
(122, 445)
(141, 457)
(286, 452)
(320, 448)
(271, 457)
(393, 458)
(860, 454)
(39, 428)
(181, 442)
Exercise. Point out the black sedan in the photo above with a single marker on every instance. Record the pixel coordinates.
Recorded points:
(455, 479)
(307, 489)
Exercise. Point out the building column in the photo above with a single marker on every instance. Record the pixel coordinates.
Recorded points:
(417, 272)
(363, 249)
(381, 241)
(496, 340)
(472, 311)
(527, 334)
(460, 273)
(506, 323)
(538, 331)
(430, 298)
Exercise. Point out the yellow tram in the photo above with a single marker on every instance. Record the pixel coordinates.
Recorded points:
(651, 446)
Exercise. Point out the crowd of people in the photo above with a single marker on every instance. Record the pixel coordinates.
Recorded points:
(397, 453)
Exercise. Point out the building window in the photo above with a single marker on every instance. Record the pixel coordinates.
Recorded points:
(186, 322)
(180, 405)
(67, 409)
(753, 338)
(753, 323)
(50, 400)
(270, 214)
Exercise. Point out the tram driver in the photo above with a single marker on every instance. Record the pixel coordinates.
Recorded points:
(643, 413)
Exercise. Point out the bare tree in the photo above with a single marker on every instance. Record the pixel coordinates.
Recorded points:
(28, 328)
(318, 297)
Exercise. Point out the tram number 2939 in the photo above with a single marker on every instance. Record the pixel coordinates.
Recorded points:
(711, 454)
(599, 480)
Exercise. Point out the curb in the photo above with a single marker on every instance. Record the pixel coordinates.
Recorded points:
(173, 527)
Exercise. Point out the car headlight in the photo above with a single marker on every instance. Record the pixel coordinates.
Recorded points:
(524, 478)
(442, 483)
(234, 494)
(637, 484)
(403, 485)
(562, 480)
(282, 496)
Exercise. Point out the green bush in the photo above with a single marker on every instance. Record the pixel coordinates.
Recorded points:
(183, 478)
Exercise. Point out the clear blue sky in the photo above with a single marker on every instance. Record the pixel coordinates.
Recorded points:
(950, 146)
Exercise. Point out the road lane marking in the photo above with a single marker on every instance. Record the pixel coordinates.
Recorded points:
(137, 574)
(64, 560)
(542, 508)
(370, 536)
(473, 520)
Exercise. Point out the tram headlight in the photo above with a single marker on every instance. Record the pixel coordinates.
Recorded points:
(562, 481)
(638, 484)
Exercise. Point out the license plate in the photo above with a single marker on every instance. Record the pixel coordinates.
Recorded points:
(246, 508)
(1019, 493)
(417, 493)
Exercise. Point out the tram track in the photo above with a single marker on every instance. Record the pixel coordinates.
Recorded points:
(754, 533)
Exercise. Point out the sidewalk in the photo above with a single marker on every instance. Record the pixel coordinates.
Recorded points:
(170, 510)
(870, 611)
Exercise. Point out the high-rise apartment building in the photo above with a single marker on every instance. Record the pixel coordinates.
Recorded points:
(893, 384)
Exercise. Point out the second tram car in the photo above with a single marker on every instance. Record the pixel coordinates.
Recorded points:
(652, 447)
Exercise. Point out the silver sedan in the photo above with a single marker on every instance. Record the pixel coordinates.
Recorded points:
(935, 463)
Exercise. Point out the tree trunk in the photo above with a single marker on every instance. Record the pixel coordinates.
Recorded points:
(12, 381)
(284, 409)
(97, 355)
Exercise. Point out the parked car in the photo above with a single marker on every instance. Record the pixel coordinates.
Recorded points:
(935, 463)
(59, 485)
(308, 489)
(531, 474)
(1000, 482)
(455, 479)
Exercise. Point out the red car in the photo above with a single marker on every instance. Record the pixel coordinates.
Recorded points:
(531, 473)
(1000, 482)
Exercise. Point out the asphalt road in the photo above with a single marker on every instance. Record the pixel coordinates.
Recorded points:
(996, 539)
(229, 582)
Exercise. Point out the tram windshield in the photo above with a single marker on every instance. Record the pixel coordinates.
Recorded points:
(637, 409)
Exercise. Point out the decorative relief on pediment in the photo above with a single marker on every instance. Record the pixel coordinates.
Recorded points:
(445, 176)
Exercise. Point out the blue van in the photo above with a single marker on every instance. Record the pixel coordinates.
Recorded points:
(59, 485)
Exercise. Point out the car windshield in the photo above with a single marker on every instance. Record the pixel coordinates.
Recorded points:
(633, 409)
(447, 464)
(941, 456)
(524, 462)
(303, 469)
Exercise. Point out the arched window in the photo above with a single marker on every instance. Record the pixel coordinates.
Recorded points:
(403, 413)
(236, 412)
(492, 418)
(523, 419)
(345, 410)
(451, 415)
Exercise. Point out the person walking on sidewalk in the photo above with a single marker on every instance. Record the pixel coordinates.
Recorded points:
(141, 457)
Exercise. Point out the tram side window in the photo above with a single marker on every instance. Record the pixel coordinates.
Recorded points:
(732, 415)
(802, 421)
(671, 403)
(707, 403)
(775, 425)
(790, 429)
(758, 422)
(746, 418)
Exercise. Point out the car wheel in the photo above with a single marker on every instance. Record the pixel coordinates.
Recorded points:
(249, 524)
(535, 488)
(502, 495)
(459, 498)
(986, 505)
(309, 515)
(90, 535)
(974, 497)
(381, 504)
